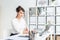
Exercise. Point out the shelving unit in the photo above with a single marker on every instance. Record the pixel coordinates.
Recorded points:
(42, 20)
(40, 15)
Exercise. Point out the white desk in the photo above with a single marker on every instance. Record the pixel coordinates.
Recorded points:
(16, 37)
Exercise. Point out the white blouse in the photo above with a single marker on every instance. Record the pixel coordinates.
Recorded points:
(18, 26)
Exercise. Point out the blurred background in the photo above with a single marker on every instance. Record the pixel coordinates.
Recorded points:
(8, 12)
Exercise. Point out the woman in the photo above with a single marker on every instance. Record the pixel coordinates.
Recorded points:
(18, 23)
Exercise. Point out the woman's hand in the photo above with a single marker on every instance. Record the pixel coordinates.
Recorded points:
(26, 31)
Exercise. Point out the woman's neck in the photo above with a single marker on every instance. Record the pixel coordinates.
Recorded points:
(18, 17)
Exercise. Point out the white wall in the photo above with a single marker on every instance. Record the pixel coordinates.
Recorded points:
(8, 13)
(0, 17)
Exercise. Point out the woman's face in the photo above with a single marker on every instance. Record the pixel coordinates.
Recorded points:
(21, 13)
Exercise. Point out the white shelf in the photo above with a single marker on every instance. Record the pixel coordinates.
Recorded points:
(52, 16)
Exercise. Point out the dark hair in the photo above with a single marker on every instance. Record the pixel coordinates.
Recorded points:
(19, 8)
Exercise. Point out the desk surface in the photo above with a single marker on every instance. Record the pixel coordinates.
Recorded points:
(17, 37)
